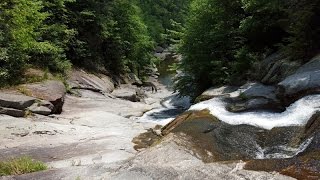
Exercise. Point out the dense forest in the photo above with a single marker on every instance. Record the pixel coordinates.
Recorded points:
(225, 38)
(220, 40)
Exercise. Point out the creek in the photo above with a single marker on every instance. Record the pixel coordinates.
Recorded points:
(287, 122)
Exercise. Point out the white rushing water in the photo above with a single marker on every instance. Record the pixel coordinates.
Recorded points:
(281, 151)
(296, 114)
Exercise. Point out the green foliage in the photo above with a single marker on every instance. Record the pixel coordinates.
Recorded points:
(165, 19)
(20, 166)
(103, 35)
(110, 34)
(27, 38)
(223, 38)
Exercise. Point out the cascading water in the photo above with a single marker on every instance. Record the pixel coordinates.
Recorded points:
(278, 152)
(297, 114)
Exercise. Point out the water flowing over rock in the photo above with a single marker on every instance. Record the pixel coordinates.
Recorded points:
(171, 160)
(303, 166)
(214, 140)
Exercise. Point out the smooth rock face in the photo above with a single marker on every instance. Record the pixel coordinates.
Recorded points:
(127, 93)
(171, 160)
(304, 82)
(80, 79)
(15, 101)
(52, 91)
(256, 90)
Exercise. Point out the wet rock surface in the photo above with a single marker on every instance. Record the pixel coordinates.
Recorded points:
(292, 151)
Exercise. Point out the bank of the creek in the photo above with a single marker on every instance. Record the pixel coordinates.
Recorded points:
(109, 133)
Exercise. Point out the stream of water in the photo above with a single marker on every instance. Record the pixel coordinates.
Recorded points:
(295, 115)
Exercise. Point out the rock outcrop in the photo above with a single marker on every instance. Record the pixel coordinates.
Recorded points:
(51, 91)
(305, 81)
(170, 159)
(80, 79)
(275, 68)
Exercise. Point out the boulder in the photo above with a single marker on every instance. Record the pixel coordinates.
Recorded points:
(39, 109)
(255, 104)
(12, 112)
(275, 68)
(255, 96)
(80, 79)
(15, 101)
(305, 81)
(52, 91)
(128, 93)
(224, 91)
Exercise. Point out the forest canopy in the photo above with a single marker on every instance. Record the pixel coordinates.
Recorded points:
(220, 40)
(117, 36)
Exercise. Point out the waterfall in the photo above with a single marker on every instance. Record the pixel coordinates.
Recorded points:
(295, 115)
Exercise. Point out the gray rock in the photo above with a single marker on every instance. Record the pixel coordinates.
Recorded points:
(275, 68)
(127, 92)
(255, 104)
(12, 112)
(216, 92)
(52, 91)
(39, 109)
(255, 96)
(80, 79)
(15, 101)
(258, 90)
(304, 82)
(170, 159)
